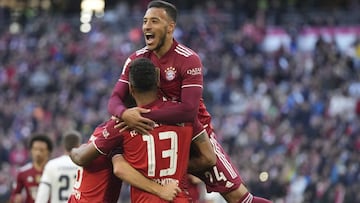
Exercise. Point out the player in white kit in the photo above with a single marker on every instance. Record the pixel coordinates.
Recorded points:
(59, 174)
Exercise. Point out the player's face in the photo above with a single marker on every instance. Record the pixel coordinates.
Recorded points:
(157, 28)
(40, 152)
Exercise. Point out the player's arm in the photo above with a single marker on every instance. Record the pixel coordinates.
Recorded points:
(123, 170)
(187, 108)
(43, 193)
(131, 116)
(16, 196)
(84, 154)
(44, 190)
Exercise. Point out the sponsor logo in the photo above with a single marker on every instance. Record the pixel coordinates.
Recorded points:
(165, 181)
(194, 71)
(170, 73)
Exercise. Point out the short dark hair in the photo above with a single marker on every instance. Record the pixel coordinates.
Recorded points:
(142, 75)
(168, 7)
(71, 139)
(42, 138)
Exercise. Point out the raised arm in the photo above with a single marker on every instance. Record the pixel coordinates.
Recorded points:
(117, 104)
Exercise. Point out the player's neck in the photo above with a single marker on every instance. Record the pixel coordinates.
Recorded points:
(164, 48)
(144, 99)
(39, 166)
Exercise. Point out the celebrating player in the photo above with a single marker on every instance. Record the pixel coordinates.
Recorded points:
(180, 80)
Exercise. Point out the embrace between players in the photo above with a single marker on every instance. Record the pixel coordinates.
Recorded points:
(168, 134)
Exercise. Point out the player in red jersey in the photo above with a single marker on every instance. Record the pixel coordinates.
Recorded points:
(95, 182)
(181, 80)
(161, 155)
(29, 175)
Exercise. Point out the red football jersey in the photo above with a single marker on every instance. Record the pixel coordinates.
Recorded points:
(28, 178)
(179, 68)
(96, 183)
(161, 156)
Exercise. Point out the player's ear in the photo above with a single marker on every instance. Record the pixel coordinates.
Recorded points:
(171, 27)
(131, 90)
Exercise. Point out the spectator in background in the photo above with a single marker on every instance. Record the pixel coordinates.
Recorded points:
(59, 173)
(28, 177)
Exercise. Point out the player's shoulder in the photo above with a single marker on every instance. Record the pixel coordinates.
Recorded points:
(26, 167)
(59, 161)
(184, 51)
(140, 53)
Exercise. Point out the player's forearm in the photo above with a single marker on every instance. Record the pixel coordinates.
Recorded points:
(84, 155)
(124, 171)
(116, 105)
(184, 111)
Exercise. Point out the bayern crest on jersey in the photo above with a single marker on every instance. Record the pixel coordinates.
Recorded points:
(170, 73)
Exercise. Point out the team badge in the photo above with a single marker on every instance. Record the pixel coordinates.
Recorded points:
(30, 179)
(105, 133)
(170, 73)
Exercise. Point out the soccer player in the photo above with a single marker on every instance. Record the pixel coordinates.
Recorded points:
(95, 181)
(161, 155)
(59, 173)
(180, 80)
(29, 175)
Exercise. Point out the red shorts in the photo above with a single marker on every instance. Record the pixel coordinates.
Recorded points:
(223, 177)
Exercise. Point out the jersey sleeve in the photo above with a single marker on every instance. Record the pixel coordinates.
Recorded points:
(43, 193)
(192, 72)
(188, 108)
(119, 99)
(108, 139)
(17, 187)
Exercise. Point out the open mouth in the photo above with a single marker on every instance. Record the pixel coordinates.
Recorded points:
(149, 37)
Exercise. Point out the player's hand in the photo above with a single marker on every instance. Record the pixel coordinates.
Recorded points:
(169, 191)
(132, 119)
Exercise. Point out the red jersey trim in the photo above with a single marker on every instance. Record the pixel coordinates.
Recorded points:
(192, 85)
(98, 148)
(197, 135)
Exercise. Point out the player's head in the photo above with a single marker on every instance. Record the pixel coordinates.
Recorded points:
(40, 148)
(159, 25)
(71, 139)
(169, 8)
(143, 77)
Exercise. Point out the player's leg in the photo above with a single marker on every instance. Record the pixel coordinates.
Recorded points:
(225, 179)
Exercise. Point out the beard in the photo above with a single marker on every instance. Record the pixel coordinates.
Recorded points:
(161, 41)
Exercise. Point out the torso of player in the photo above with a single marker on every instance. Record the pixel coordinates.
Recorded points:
(60, 173)
(180, 66)
(96, 182)
(31, 179)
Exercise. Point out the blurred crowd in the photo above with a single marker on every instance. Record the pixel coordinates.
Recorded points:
(288, 118)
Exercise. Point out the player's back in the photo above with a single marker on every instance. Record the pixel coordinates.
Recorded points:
(59, 174)
(162, 156)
